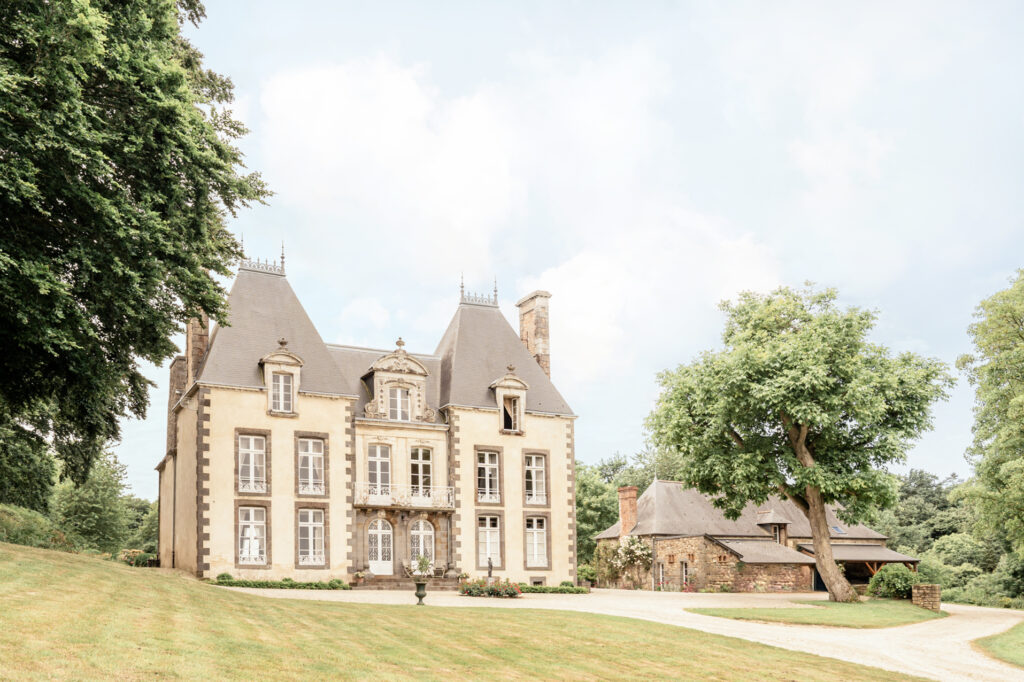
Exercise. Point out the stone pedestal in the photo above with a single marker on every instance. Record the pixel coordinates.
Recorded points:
(927, 597)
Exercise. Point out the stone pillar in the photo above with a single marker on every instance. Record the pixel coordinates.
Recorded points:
(197, 341)
(627, 509)
(174, 393)
(533, 327)
(927, 597)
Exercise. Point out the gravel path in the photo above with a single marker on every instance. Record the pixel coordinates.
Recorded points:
(940, 649)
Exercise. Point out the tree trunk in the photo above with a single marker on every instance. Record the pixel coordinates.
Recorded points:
(839, 588)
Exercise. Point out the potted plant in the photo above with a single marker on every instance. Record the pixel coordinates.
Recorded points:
(358, 577)
(422, 572)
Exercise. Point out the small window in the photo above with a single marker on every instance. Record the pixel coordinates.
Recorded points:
(488, 541)
(510, 414)
(311, 537)
(537, 581)
(536, 484)
(281, 397)
(252, 460)
(311, 466)
(252, 535)
(838, 530)
(399, 404)
(487, 477)
(536, 542)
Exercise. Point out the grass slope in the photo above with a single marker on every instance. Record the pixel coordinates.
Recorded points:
(875, 613)
(1007, 646)
(67, 615)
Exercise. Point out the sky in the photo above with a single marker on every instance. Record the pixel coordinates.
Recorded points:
(640, 161)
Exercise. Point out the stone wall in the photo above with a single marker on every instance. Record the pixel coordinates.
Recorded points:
(927, 597)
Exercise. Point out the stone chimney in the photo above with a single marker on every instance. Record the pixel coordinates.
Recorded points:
(627, 509)
(174, 393)
(197, 341)
(533, 327)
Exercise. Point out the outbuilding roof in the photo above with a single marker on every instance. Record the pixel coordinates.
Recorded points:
(862, 552)
(764, 552)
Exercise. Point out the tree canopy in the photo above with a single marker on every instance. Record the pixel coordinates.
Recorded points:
(996, 370)
(799, 403)
(118, 170)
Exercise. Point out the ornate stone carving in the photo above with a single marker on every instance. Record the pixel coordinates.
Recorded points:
(429, 415)
(372, 410)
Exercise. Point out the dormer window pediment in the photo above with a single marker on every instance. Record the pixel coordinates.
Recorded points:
(281, 375)
(398, 386)
(510, 396)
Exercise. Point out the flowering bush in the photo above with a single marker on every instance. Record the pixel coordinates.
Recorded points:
(480, 588)
(632, 559)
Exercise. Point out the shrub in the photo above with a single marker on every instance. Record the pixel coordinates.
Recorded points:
(567, 583)
(480, 588)
(933, 571)
(893, 581)
(22, 526)
(587, 572)
(959, 548)
(565, 588)
(134, 557)
(960, 576)
(226, 580)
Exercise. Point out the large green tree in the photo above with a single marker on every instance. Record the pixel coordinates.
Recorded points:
(118, 169)
(799, 404)
(597, 508)
(95, 513)
(996, 369)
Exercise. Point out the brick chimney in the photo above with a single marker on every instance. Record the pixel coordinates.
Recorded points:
(197, 341)
(627, 509)
(174, 393)
(533, 327)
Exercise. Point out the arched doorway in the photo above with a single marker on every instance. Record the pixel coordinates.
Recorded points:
(381, 554)
(421, 535)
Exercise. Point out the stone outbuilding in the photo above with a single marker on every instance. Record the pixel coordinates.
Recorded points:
(767, 549)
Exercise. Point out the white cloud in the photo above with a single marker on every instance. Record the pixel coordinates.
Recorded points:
(363, 312)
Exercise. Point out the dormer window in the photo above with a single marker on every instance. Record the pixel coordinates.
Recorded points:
(510, 413)
(281, 392)
(777, 532)
(398, 401)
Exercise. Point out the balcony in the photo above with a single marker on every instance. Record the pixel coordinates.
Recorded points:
(488, 496)
(411, 496)
(536, 498)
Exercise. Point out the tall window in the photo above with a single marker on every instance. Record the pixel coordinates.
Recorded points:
(422, 539)
(311, 466)
(510, 414)
(536, 485)
(536, 542)
(487, 477)
(252, 461)
(311, 537)
(399, 404)
(252, 535)
(420, 471)
(281, 392)
(488, 540)
(380, 470)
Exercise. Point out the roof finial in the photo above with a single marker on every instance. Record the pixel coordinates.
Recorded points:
(511, 368)
(495, 291)
(462, 287)
(283, 342)
(241, 240)
(400, 342)
(282, 255)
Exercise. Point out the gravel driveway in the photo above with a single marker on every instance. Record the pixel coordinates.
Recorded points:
(940, 649)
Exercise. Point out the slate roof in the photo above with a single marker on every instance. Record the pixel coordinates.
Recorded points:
(855, 552)
(765, 552)
(671, 508)
(475, 350)
(262, 308)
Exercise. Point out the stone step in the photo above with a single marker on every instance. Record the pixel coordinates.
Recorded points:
(390, 582)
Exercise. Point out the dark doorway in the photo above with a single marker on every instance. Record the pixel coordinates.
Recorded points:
(819, 584)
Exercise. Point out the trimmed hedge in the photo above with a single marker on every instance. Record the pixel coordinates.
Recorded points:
(226, 580)
(480, 588)
(552, 589)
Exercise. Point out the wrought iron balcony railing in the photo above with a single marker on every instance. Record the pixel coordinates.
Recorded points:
(393, 495)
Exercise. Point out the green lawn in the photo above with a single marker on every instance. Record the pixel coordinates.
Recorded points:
(874, 613)
(64, 615)
(1008, 646)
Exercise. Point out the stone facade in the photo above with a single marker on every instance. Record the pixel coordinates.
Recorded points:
(927, 596)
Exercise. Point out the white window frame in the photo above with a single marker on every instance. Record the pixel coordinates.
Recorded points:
(252, 536)
(510, 408)
(421, 541)
(311, 533)
(536, 542)
(399, 404)
(282, 397)
(378, 471)
(421, 471)
(777, 533)
(311, 466)
(488, 477)
(488, 540)
(252, 464)
(535, 479)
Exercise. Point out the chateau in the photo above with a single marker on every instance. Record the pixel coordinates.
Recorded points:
(290, 457)
(767, 549)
